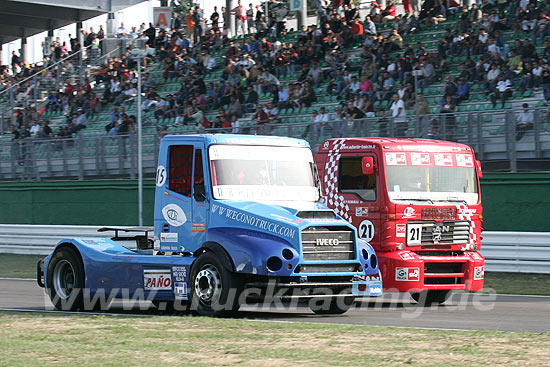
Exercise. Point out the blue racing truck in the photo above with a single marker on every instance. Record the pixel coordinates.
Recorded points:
(237, 219)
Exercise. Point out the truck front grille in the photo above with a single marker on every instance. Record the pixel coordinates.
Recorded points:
(445, 233)
(328, 243)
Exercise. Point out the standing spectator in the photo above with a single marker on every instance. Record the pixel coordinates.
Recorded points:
(525, 121)
(15, 60)
(215, 18)
(449, 119)
(280, 16)
(190, 20)
(422, 109)
(250, 18)
(545, 80)
(175, 22)
(199, 25)
(240, 18)
(399, 115)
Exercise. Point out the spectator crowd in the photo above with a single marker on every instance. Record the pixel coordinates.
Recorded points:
(389, 81)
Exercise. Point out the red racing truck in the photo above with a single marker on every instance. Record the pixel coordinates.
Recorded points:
(417, 202)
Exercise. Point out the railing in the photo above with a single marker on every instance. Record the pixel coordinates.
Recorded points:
(94, 154)
(515, 252)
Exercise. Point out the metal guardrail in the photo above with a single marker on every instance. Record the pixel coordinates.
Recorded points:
(514, 252)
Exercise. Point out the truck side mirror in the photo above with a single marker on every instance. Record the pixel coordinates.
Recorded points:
(199, 193)
(367, 164)
(478, 169)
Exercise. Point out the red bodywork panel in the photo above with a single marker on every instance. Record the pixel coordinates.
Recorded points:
(448, 231)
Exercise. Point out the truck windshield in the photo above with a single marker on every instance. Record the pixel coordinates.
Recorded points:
(432, 183)
(242, 172)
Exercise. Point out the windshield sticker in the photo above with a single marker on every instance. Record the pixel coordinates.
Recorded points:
(443, 159)
(174, 215)
(218, 152)
(465, 160)
(254, 221)
(264, 192)
(420, 159)
(396, 159)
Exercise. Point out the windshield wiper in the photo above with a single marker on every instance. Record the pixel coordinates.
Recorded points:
(455, 201)
(428, 200)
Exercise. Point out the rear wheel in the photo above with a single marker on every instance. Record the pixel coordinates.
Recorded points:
(427, 298)
(66, 280)
(215, 290)
(334, 306)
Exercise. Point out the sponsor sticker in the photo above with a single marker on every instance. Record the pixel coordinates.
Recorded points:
(420, 159)
(174, 215)
(180, 290)
(407, 274)
(156, 245)
(157, 279)
(479, 272)
(169, 237)
(409, 212)
(464, 160)
(406, 256)
(198, 227)
(396, 159)
(400, 230)
(443, 159)
(362, 211)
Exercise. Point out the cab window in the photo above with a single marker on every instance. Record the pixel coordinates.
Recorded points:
(351, 179)
(181, 169)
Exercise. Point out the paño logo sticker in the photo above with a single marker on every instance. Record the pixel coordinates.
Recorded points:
(174, 215)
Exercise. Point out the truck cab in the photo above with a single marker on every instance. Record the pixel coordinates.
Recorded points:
(236, 218)
(417, 202)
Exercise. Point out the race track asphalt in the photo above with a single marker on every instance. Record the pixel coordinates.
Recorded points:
(463, 311)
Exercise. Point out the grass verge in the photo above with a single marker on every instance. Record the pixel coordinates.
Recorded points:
(32, 340)
(24, 266)
(18, 266)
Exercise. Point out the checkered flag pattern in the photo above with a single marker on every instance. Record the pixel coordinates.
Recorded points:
(334, 200)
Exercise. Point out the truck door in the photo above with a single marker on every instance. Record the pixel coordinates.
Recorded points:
(183, 202)
(360, 193)
(200, 203)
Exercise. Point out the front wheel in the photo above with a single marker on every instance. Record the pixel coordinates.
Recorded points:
(215, 290)
(427, 298)
(334, 306)
(66, 280)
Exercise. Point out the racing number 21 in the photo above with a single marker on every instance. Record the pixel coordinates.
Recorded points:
(366, 230)
(414, 234)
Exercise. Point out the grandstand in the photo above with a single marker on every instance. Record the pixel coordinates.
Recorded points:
(505, 136)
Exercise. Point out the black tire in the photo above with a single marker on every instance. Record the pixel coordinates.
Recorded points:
(66, 280)
(337, 306)
(428, 298)
(215, 291)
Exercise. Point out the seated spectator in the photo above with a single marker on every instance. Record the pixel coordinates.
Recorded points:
(462, 92)
(525, 120)
(502, 90)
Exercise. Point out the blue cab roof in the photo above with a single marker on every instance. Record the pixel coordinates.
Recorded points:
(238, 139)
